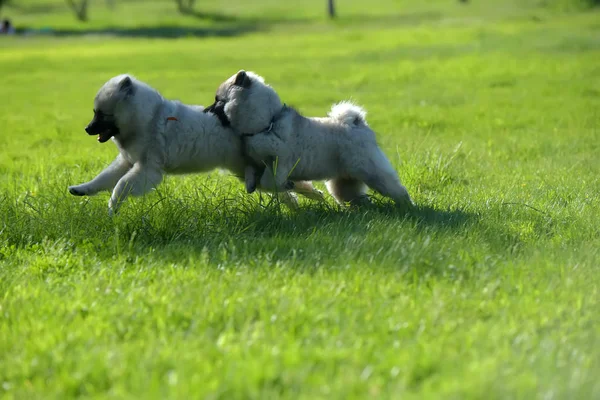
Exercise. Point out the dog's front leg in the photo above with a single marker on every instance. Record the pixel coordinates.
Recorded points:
(138, 181)
(106, 180)
(252, 176)
(276, 176)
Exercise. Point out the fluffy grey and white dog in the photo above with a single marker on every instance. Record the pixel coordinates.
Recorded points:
(340, 148)
(157, 136)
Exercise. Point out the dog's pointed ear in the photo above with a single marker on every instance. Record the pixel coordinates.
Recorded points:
(242, 79)
(126, 85)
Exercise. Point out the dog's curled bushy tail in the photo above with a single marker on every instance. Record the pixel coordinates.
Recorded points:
(348, 113)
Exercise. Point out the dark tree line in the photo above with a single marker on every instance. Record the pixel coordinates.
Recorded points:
(80, 7)
(3, 2)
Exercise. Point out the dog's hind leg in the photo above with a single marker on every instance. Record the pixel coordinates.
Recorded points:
(289, 199)
(377, 172)
(349, 190)
(389, 185)
(138, 181)
(106, 180)
(306, 189)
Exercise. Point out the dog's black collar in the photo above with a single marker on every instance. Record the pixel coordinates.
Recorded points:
(269, 129)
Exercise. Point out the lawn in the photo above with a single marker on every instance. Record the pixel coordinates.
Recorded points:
(490, 112)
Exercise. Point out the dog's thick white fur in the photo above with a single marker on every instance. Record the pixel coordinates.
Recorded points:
(157, 136)
(340, 148)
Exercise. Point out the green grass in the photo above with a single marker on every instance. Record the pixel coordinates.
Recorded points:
(490, 113)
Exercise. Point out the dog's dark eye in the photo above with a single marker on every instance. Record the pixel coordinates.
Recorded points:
(102, 115)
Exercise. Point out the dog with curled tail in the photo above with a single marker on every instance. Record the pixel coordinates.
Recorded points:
(340, 148)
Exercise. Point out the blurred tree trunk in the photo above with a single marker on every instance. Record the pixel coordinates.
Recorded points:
(185, 6)
(80, 9)
(3, 2)
(331, 8)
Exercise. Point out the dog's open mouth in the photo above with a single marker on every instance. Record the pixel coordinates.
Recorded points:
(104, 136)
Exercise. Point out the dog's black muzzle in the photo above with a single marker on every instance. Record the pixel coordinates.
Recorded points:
(218, 108)
(94, 127)
(105, 129)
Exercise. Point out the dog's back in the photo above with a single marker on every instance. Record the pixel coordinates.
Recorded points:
(195, 141)
(322, 146)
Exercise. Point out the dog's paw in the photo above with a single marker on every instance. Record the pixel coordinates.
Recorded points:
(76, 191)
(250, 186)
(289, 185)
(113, 207)
(289, 199)
(112, 210)
(316, 194)
(405, 201)
(250, 179)
(408, 204)
(361, 201)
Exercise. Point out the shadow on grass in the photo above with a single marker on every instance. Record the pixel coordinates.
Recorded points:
(272, 222)
(162, 32)
(203, 229)
(380, 235)
(212, 16)
(395, 19)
